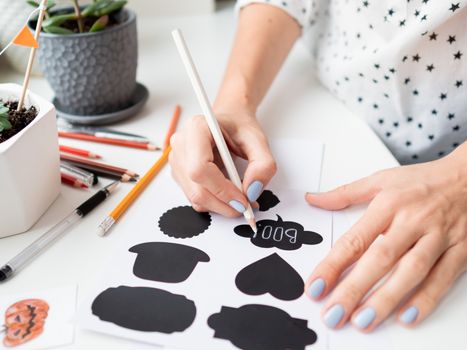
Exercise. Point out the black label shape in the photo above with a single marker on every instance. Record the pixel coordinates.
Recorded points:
(272, 275)
(267, 200)
(145, 309)
(286, 235)
(261, 327)
(166, 262)
(184, 222)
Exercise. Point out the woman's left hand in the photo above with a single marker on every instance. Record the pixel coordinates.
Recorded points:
(421, 211)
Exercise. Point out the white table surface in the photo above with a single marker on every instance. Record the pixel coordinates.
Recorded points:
(296, 106)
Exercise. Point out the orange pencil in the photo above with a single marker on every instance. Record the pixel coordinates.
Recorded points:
(133, 194)
(72, 181)
(79, 152)
(172, 126)
(132, 144)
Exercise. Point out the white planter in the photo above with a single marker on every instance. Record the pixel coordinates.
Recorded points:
(29, 166)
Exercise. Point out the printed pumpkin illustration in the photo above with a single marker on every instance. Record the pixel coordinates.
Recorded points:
(286, 235)
(24, 321)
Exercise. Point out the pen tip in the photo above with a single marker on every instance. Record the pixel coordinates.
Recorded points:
(111, 187)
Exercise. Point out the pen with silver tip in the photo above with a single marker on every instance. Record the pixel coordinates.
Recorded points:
(36, 247)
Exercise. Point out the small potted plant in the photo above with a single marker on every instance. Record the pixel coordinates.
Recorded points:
(29, 159)
(88, 54)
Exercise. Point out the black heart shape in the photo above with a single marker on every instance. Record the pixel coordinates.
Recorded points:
(272, 275)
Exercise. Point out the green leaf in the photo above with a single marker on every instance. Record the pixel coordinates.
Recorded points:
(5, 124)
(113, 7)
(56, 21)
(3, 110)
(90, 10)
(50, 4)
(32, 3)
(57, 30)
(100, 24)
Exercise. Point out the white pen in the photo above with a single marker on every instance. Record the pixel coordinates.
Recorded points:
(211, 120)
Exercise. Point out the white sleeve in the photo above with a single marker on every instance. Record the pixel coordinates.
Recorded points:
(300, 10)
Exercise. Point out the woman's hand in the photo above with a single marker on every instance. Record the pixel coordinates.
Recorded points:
(196, 166)
(421, 210)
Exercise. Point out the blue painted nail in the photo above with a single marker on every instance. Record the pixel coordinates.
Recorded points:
(409, 315)
(365, 317)
(316, 288)
(237, 206)
(254, 190)
(334, 315)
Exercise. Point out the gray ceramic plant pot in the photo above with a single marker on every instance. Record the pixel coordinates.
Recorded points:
(92, 73)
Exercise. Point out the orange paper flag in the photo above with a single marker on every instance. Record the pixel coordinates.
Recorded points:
(25, 38)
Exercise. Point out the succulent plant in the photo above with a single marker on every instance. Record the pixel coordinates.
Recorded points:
(93, 17)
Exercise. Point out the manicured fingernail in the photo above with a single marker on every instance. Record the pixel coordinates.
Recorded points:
(237, 206)
(254, 190)
(316, 288)
(334, 315)
(409, 315)
(365, 317)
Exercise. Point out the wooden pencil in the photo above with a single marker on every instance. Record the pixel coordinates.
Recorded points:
(211, 120)
(172, 126)
(133, 194)
(72, 181)
(109, 174)
(79, 152)
(131, 144)
(97, 165)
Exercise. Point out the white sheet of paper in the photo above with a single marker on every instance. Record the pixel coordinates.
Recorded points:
(211, 285)
(299, 163)
(59, 326)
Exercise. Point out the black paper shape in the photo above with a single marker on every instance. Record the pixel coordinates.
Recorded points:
(272, 275)
(286, 235)
(184, 222)
(261, 327)
(166, 262)
(267, 200)
(145, 309)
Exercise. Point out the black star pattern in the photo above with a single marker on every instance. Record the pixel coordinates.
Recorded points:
(402, 23)
(430, 68)
(377, 66)
(443, 96)
(434, 112)
(406, 81)
(381, 121)
(396, 124)
(386, 77)
(409, 119)
(459, 83)
(441, 153)
(414, 156)
(415, 92)
(451, 116)
(451, 39)
(417, 13)
(420, 125)
(424, 1)
(455, 144)
(416, 58)
(408, 143)
(375, 106)
(424, 18)
(431, 137)
(388, 134)
(404, 58)
(375, 81)
(458, 55)
(391, 12)
(360, 99)
(454, 7)
(392, 70)
(433, 36)
(366, 3)
(456, 128)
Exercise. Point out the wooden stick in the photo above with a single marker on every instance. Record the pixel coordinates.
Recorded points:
(211, 120)
(32, 55)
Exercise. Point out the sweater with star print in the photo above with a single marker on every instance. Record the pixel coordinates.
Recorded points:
(400, 64)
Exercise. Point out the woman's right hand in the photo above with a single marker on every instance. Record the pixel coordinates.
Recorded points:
(197, 167)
